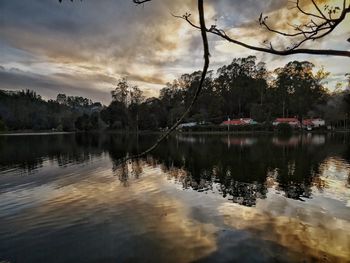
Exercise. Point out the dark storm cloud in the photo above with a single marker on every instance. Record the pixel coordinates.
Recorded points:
(46, 86)
(93, 36)
(97, 30)
(86, 46)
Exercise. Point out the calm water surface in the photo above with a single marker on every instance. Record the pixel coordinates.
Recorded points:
(194, 199)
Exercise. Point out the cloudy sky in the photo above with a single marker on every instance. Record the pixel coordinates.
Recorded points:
(82, 48)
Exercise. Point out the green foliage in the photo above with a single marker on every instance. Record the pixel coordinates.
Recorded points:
(87, 122)
(67, 123)
(337, 109)
(124, 109)
(2, 126)
(297, 90)
(25, 110)
(115, 112)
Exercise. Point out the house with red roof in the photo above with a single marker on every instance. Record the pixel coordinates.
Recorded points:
(307, 122)
(315, 123)
(294, 122)
(242, 121)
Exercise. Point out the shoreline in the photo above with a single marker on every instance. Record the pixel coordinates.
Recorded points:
(30, 133)
(263, 132)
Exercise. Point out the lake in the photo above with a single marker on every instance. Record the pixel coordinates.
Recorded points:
(196, 198)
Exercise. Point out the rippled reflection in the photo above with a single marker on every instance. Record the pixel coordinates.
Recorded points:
(244, 170)
(196, 198)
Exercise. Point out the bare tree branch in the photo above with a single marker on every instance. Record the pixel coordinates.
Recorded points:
(312, 30)
(312, 34)
(304, 12)
(318, 9)
(80, 0)
(138, 2)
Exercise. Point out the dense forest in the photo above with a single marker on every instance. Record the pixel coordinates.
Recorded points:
(244, 88)
(25, 110)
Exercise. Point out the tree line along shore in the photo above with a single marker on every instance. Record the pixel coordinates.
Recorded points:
(243, 89)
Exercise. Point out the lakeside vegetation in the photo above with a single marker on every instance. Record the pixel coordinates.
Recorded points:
(26, 110)
(244, 88)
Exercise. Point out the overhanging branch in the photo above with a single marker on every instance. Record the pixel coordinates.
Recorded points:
(318, 26)
(271, 50)
(138, 2)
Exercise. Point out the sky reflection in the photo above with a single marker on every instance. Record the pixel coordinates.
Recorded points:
(261, 202)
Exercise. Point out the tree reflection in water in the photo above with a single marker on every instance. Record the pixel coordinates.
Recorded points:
(240, 168)
(243, 168)
(126, 169)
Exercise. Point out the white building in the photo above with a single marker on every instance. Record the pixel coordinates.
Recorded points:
(188, 124)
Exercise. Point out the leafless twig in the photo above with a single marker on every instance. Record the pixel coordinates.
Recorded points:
(315, 31)
(317, 27)
(138, 2)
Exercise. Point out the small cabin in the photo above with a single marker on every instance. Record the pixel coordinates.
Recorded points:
(294, 122)
(316, 123)
(187, 125)
(242, 121)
